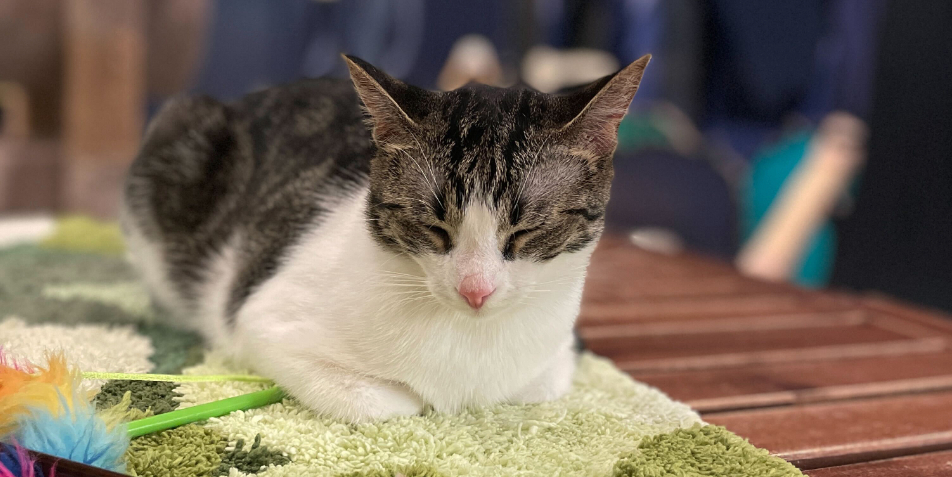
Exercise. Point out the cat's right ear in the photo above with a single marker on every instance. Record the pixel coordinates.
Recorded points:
(593, 132)
(394, 106)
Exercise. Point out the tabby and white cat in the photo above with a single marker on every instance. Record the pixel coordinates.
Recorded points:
(435, 257)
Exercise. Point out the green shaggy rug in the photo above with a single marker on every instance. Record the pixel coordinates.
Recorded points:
(73, 292)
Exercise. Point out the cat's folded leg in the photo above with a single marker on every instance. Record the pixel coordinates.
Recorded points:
(336, 392)
(553, 383)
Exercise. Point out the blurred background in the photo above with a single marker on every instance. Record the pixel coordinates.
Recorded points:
(806, 141)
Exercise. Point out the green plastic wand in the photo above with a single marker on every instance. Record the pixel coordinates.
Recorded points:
(180, 417)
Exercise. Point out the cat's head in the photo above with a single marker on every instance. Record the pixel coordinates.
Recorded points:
(496, 193)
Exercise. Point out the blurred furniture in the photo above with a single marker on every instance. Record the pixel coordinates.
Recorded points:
(821, 379)
(31, 56)
(77, 76)
(659, 189)
(473, 59)
(30, 80)
(806, 201)
(104, 99)
(28, 167)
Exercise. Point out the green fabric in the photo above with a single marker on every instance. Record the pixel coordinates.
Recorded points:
(128, 296)
(26, 271)
(174, 349)
(584, 433)
(701, 451)
(83, 234)
(406, 471)
(157, 397)
(186, 451)
(52, 286)
(606, 421)
(608, 425)
(253, 460)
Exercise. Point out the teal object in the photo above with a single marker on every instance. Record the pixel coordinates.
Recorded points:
(769, 171)
(639, 131)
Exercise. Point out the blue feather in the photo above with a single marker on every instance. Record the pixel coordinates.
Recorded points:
(79, 435)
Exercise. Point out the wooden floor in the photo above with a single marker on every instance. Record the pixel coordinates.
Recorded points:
(839, 385)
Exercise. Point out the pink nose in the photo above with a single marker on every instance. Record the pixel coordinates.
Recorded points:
(475, 290)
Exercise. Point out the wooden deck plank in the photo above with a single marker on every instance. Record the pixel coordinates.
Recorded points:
(677, 345)
(675, 308)
(935, 464)
(829, 354)
(631, 261)
(724, 324)
(823, 435)
(935, 320)
(601, 288)
(799, 383)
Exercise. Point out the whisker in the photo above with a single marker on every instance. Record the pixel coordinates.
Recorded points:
(426, 179)
(396, 279)
(391, 272)
(430, 163)
(401, 275)
(535, 159)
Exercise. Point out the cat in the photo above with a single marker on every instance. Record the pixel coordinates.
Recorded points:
(374, 247)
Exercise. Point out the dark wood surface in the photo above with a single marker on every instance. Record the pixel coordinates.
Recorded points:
(936, 464)
(838, 384)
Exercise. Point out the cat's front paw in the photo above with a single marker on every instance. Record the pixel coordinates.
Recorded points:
(553, 383)
(391, 400)
(340, 393)
(543, 390)
(358, 399)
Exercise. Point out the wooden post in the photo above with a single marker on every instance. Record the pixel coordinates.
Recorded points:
(104, 103)
(28, 167)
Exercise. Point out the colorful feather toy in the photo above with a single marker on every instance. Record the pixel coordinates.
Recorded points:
(46, 409)
(25, 387)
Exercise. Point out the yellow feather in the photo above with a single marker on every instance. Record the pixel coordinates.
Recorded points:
(29, 387)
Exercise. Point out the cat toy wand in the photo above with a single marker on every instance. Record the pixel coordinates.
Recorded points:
(45, 410)
(180, 417)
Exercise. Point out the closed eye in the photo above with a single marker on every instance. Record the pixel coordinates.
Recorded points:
(389, 206)
(442, 237)
(585, 213)
(513, 242)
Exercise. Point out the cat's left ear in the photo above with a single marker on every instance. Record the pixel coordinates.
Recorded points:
(593, 131)
(394, 106)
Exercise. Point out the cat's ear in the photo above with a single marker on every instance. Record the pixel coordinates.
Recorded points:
(593, 131)
(394, 106)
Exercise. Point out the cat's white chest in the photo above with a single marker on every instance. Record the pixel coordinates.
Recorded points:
(454, 364)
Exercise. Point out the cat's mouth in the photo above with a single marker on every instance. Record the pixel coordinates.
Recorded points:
(496, 304)
(459, 305)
